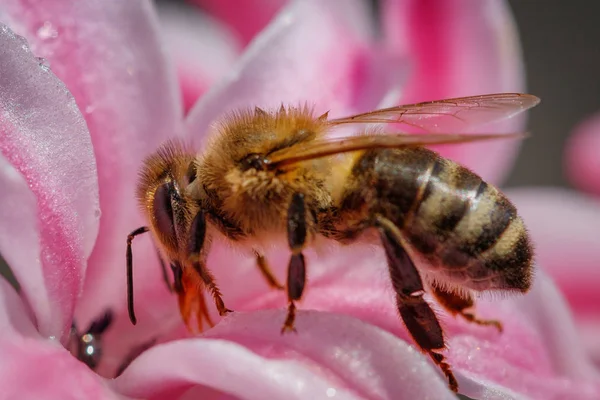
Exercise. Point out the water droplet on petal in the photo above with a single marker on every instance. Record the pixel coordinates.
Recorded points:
(331, 392)
(89, 109)
(47, 31)
(44, 64)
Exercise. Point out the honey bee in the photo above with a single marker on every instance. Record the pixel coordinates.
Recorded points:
(272, 174)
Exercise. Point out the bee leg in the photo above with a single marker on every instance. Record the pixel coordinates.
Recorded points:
(197, 236)
(187, 293)
(209, 281)
(202, 313)
(419, 318)
(190, 299)
(457, 304)
(129, 257)
(263, 265)
(296, 277)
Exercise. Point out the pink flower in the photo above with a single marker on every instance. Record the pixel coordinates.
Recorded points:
(564, 222)
(74, 134)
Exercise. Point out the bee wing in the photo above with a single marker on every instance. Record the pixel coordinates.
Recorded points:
(450, 115)
(332, 146)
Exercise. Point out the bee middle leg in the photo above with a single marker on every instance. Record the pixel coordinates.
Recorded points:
(419, 318)
(296, 276)
(263, 265)
(457, 304)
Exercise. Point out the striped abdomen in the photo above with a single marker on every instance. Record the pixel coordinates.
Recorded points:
(467, 230)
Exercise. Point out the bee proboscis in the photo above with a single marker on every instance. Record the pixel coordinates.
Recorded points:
(272, 174)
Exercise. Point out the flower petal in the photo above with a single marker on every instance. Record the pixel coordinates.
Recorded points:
(460, 48)
(34, 369)
(564, 226)
(20, 247)
(203, 49)
(45, 138)
(247, 17)
(109, 55)
(531, 357)
(332, 355)
(582, 163)
(313, 51)
(14, 317)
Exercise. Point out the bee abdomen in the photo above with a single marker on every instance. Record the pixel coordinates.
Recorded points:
(469, 231)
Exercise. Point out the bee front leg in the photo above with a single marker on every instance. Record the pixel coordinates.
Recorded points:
(419, 318)
(296, 277)
(190, 299)
(457, 304)
(196, 258)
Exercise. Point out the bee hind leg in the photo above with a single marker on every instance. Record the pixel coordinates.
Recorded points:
(457, 304)
(419, 318)
(296, 276)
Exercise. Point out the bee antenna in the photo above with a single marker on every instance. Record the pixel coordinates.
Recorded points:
(129, 257)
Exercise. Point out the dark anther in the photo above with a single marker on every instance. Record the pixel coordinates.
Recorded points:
(255, 161)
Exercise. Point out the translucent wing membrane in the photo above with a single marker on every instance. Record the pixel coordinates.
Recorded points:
(332, 146)
(450, 115)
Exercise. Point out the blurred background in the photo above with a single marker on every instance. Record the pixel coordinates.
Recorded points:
(560, 47)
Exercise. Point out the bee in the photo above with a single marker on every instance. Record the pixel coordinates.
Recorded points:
(268, 175)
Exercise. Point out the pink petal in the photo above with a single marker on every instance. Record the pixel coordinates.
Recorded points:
(537, 355)
(332, 355)
(34, 367)
(582, 163)
(20, 247)
(246, 17)
(564, 226)
(108, 54)
(460, 49)
(15, 320)
(203, 49)
(45, 138)
(313, 51)
(37, 369)
(560, 370)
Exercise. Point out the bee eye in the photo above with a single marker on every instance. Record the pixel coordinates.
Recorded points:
(163, 209)
(255, 161)
(190, 175)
